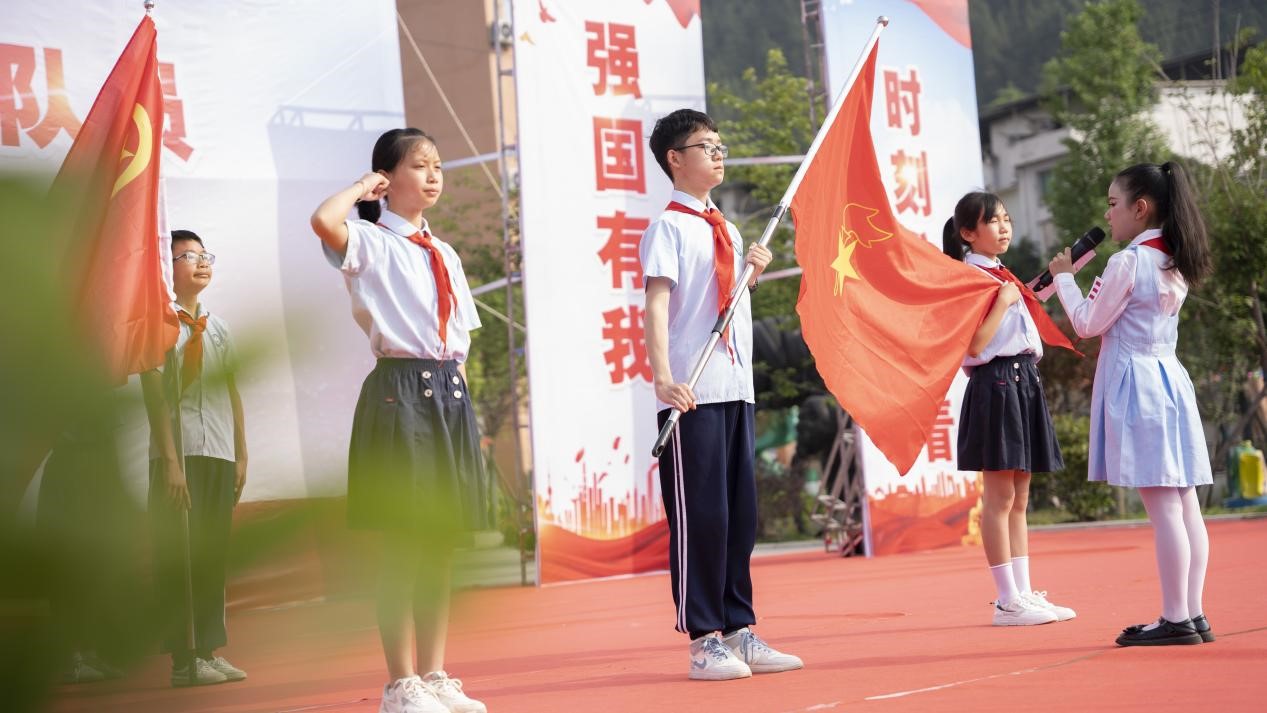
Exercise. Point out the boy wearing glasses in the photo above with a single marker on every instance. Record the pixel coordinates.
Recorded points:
(205, 481)
(691, 257)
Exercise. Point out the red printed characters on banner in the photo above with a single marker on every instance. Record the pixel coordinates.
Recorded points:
(20, 106)
(627, 356)
(901, 99)
(618, 163)
(612, 49)
(939, 447)
(911, 172)
(620, 252)
(19, 109)
(174, 108)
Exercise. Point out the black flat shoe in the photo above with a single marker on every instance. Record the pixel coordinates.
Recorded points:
(1167, 633)
(1203, 628)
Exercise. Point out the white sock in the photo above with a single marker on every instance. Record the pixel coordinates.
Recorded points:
(1199, 548)
(1174, 553)
(1020, 572)
(1004, 583)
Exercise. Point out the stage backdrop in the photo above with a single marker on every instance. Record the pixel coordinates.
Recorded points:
(270, 106)
(924, 123)
(591, 80)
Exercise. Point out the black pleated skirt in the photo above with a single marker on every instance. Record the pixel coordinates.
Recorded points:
(415, 463)
(1004, 423)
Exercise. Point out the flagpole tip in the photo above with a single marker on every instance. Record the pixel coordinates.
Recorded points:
(149, 7)
(882, 20)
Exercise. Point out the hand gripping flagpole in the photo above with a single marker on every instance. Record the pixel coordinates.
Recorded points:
(742, 283)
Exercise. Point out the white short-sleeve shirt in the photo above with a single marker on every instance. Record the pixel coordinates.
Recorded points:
(1017, 332)
(206, 412)
(679, 246)
(394, 292)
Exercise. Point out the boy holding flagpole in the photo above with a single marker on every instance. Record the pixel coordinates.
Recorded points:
(691, 257)
(197, 474)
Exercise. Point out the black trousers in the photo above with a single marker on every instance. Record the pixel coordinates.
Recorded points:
(211, 493)
(710, 500)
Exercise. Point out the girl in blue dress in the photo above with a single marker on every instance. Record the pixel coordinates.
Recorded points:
(1145, 428)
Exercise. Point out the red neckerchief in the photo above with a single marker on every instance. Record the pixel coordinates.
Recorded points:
(445, 300)
(191, 363)
(723, 258)
(1047, 329)
(1158, 244)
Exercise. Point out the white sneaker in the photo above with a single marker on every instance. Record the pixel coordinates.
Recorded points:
(231, 672)
(201, 675)
(1039, 599)
(449, 692)
(758, 655)
(711, 660)
(1021, 613)
(410, 695)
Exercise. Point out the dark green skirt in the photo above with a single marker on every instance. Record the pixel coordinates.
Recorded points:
(414, 463)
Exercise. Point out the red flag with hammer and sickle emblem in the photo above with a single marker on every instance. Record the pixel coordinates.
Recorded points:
(886, 315)
(107, 189)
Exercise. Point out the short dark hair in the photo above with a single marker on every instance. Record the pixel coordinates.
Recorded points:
(671, 130)
(390, 149)
(969, 211)
(182, 235)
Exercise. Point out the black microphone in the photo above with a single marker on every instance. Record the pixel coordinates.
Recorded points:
(1081, 246)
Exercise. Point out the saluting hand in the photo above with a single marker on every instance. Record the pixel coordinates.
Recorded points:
(373, 186)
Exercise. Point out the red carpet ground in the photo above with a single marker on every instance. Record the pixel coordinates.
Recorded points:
(899, 633)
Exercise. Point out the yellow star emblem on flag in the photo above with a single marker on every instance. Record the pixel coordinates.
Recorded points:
(854, 218)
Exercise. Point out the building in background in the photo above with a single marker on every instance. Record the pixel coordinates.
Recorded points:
(1021, 142)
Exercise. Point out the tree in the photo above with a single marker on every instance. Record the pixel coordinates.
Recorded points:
(1227, 315)
(768, 116)
(1100, 85)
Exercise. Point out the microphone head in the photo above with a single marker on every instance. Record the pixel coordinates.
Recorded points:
(1087, 242)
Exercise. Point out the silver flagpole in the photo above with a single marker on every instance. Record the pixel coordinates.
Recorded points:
(171, 368)
(742, 284)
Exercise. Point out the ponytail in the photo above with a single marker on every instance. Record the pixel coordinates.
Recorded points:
(1190, 244)
(952, 242)
(370, 210)
(1182, 227)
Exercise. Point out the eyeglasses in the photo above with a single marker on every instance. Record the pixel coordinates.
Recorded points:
(195, 258)
(711, 150)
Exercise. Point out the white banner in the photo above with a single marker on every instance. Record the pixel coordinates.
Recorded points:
(592, 78)
(270, 107)
(924, 125)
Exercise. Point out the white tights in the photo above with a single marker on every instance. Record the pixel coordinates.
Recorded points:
(1183, 549)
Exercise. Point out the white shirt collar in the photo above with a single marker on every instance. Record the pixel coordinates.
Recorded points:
(200, 311)
(692, 202)
(981, 260)
(399, 225)
(1146, 235)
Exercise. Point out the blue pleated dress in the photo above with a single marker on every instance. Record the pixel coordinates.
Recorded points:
(1145, 427)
